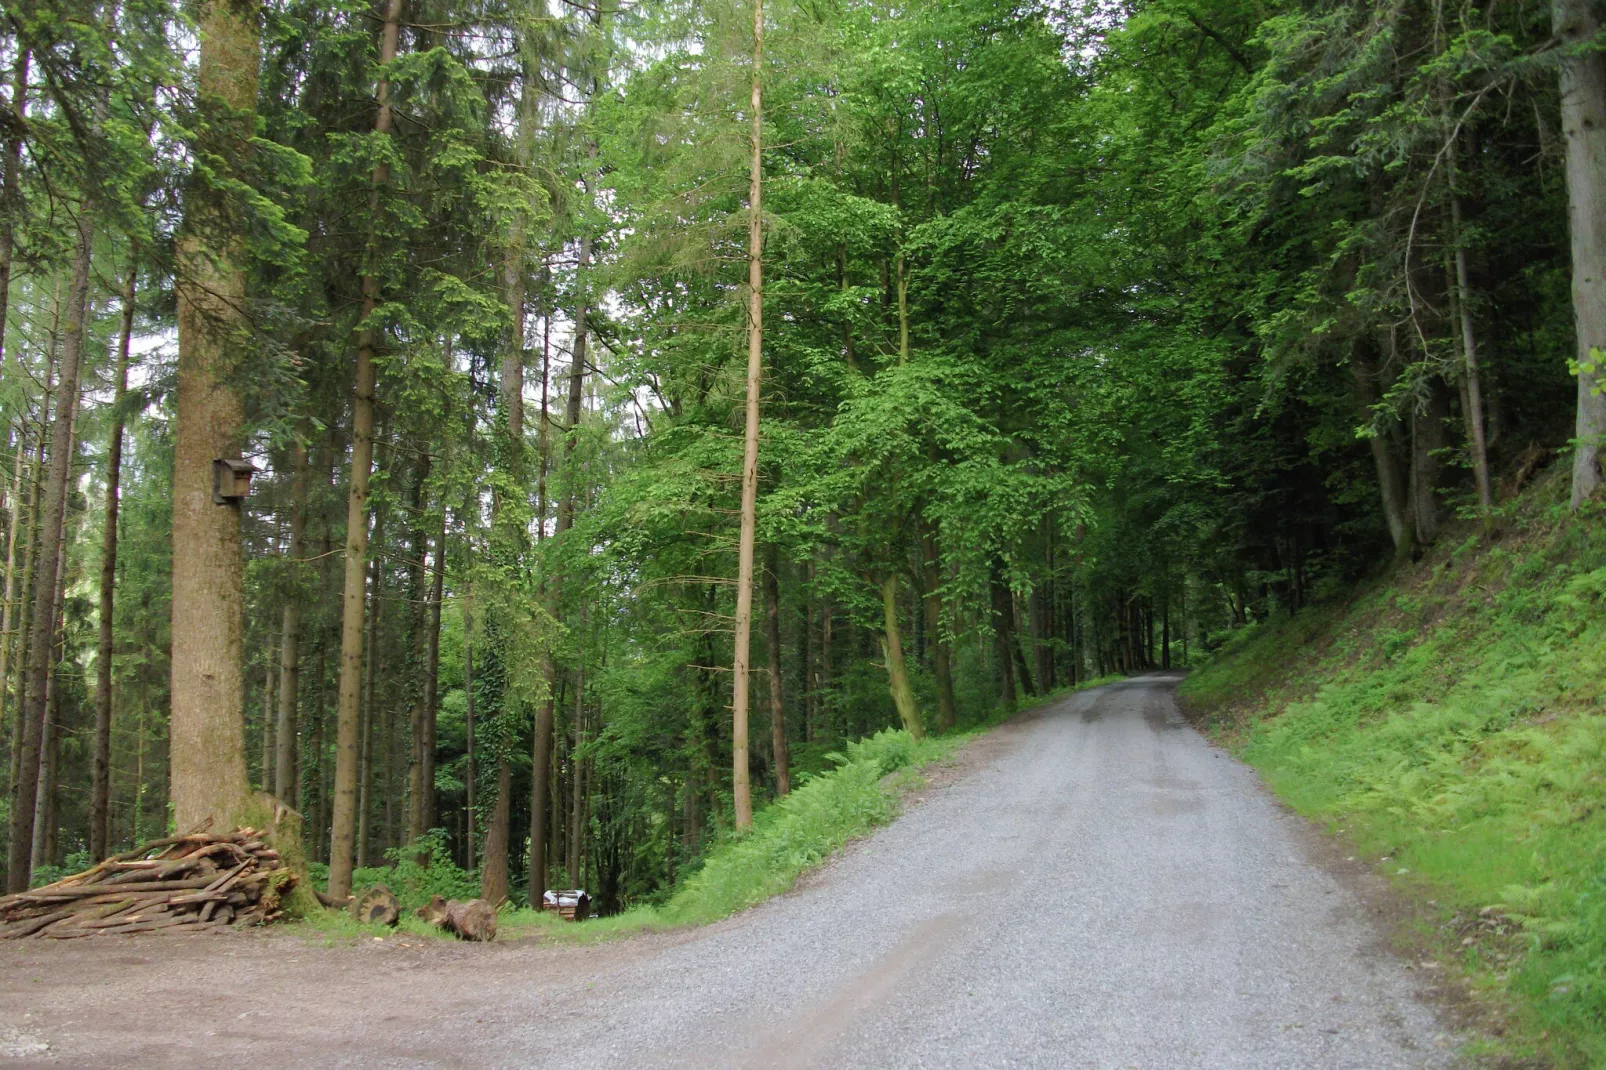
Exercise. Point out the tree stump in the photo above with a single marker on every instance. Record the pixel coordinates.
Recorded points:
(376, 906)
(433, 912)
(473, 920)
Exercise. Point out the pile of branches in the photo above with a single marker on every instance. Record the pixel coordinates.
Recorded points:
(198, 882)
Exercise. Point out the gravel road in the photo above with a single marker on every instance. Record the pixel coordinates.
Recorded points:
(1101, 889)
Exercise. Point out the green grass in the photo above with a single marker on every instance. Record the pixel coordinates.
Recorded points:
(1451, 721)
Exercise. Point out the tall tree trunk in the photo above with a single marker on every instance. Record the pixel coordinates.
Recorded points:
(50, 747)
(349, 713)
(941, 648)
(207, 749)
(779, 754)
(493, 865)
(1472, 381)
(471, 774)
(541, 780)
(572, 863)
(417, 734)
(1003, 645)
(903, 695)
(8, 612)
(1583, 121)
(1027, 684)
(285, 781)
(1398, 514)
(432, 660)
(1038, 616)
(10, 192)
(270, 678)
(1165, 635)
(827, 667)
(42, 624)
(365, 756)
(507, 525)
(741, 790)
(100, 777)
(1427, 439)
(36, 490)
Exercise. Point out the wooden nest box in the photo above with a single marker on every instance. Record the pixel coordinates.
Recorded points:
(231, 480)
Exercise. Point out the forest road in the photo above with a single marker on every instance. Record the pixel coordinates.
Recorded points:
(1101, 888)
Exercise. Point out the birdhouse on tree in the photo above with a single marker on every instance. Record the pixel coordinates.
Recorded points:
(231, 480)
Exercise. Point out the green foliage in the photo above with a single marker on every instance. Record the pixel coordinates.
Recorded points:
(417, 871)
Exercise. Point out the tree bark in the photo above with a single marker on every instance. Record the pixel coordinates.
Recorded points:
(780, 757)
(365, 756)
(576, 771)
(10, 193)
(541, 783)
(1397, 512)
(1003, 611)
(493, 864)
(471, 774)
(432, 660)
(903, 695)
(285, 781)
(270, 707)
(50, 747)
(1583, 123)
(8, 609)
(348, 713)
(53, 510)
(100, 776)
(941, 649)
(207, 749)
(741, 790)
(418, 625)
(1427, 439)
(1472, 381)
(36, 486)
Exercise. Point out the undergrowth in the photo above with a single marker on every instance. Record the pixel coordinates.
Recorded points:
(1451, 720)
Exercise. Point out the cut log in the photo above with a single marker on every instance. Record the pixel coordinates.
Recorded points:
(433, 912)
(376, 906)
(473, 920)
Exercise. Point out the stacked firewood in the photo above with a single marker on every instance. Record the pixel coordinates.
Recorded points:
(192, 883)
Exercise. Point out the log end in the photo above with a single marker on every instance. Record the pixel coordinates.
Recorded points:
(376, 906)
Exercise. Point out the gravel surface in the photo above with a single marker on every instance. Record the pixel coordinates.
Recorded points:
(1103, 889)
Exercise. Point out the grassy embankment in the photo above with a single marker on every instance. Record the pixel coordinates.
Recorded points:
(1448, 720)
(789, 836)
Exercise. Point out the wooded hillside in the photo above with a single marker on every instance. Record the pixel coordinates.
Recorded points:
(564, 425)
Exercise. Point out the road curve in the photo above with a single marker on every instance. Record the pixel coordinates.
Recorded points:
(1105, 889)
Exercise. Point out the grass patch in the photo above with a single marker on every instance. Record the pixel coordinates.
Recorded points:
(1450, 720)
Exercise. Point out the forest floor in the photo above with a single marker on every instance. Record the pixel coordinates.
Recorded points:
(1093, 884)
